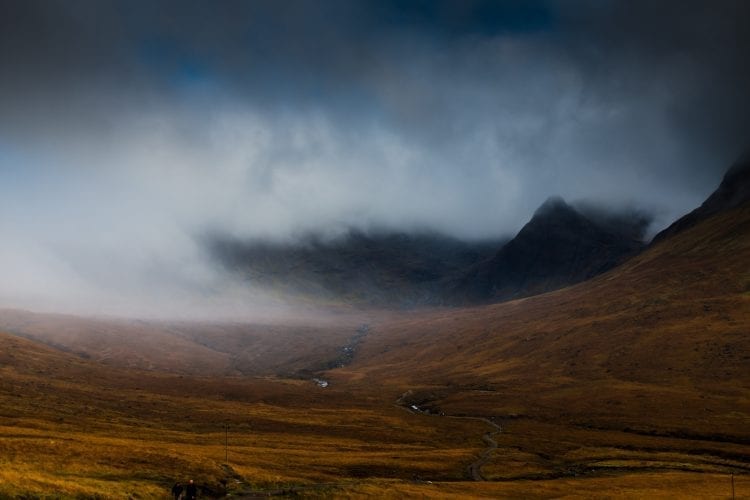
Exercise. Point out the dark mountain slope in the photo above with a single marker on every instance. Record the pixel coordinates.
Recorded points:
(558, 247)
(392, 269)
(733, 191)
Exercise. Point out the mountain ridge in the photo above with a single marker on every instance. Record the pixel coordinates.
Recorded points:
(733, 190)
(429, 269)
(558, 247)
(377, 268)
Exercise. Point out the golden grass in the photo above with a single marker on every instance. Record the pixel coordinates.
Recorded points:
(646, 485)
(113, 433)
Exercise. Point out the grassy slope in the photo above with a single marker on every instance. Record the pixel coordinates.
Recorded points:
(643, 368)
(207, 349)
(74, 427)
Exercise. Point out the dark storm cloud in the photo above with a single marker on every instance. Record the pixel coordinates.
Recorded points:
(690, 57)
(128, 128)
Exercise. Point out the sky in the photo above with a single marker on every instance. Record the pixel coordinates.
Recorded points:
(131, 129)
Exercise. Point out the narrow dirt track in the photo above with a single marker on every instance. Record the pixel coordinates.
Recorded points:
(475, 468)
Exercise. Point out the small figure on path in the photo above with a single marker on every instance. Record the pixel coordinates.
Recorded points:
(177, 491)
(191, 492)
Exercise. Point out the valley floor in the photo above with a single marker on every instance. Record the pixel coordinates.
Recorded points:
(132, 435)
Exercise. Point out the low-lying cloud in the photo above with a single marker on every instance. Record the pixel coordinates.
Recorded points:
(130, 129)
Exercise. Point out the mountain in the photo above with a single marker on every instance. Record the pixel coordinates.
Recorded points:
(649, 356)
(378, 268)
(732, 192)
(558, 247)
(683, 303)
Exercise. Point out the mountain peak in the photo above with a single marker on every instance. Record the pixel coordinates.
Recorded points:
(735, 186)
(558, 217)
(559, 246)
(733, 191)
(553, 204)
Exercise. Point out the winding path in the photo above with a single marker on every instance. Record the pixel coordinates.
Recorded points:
(475, 468)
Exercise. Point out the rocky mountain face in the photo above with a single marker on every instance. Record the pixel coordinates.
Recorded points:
(733, 191)
(380, 268)
(558, 247)
(561, 245)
